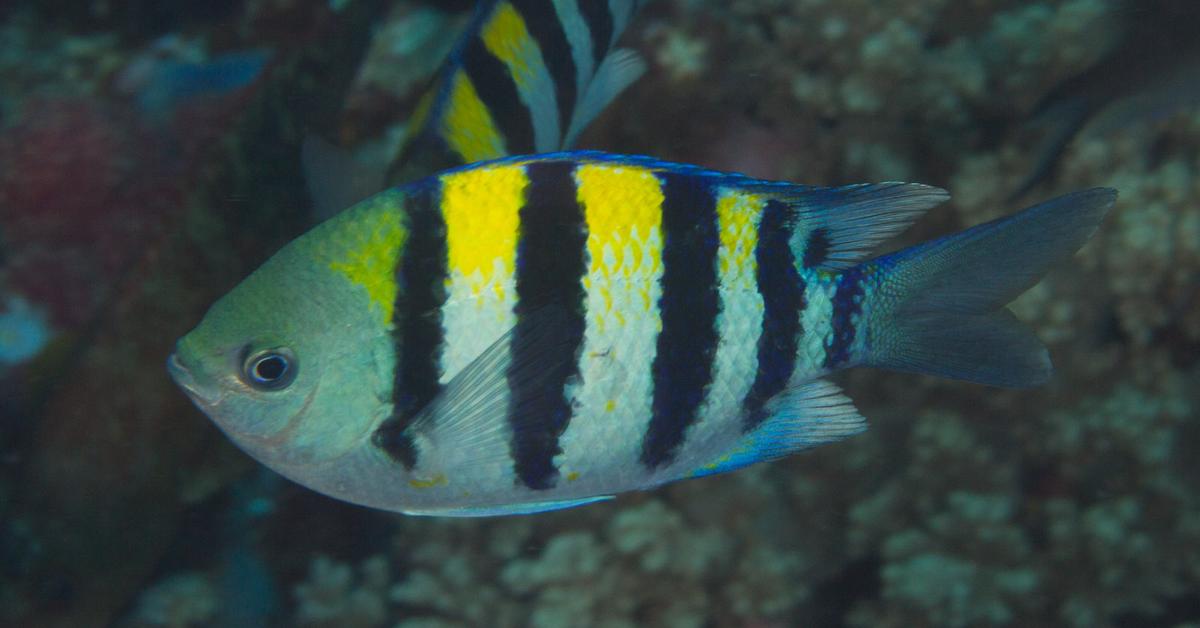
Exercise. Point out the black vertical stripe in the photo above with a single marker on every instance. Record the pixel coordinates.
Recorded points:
(600, 23)
(782, 289)
(687, 344)
(541, 18)
(816, 249)
(551, 264)
(498, 90)
(417, 320)
(847, 303)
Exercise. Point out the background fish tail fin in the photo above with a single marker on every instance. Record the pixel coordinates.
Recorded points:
(1059, 126)
(939, 308)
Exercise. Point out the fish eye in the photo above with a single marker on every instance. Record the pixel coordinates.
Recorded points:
(272, 369)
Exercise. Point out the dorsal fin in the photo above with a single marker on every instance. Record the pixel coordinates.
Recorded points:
(838, 227)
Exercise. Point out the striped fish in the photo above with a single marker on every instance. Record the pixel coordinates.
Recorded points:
(527, 76)
(541, 332)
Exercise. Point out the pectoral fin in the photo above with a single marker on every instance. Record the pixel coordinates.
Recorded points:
(468, 421)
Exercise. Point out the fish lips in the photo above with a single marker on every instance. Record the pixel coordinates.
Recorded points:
(186, 380)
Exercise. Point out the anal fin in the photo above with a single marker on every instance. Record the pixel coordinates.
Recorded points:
(802, 417)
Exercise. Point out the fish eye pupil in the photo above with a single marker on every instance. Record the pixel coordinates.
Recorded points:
(270, 368)
(273, 369)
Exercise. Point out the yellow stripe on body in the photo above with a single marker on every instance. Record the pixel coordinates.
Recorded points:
(506, 36)
(368, 239)
(739, 326)
(738, 214)
(481, 208)
(468, 126)
(623, 208)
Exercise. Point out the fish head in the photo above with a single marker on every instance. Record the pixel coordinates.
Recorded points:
(295, 363)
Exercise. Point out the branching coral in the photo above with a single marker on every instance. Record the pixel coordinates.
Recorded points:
(1120, 498)
(648, 564)
(869, 91)
(1069, 515)
(334, 596)
(180, 601)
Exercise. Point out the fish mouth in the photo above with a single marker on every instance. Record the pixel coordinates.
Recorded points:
(187, 381)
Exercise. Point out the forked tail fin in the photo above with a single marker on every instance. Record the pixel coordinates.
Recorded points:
(939, 306)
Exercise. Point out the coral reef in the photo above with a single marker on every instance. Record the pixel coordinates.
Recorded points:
(178, 602)
(1073, 502)
(99, 454)
(76, 156)
(649, 564)
(332, 597)
(1077, 504)
(37, 58)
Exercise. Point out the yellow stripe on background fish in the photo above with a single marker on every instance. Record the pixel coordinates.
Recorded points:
(420, 114)
(469, 126)
(526, 77)
(507, 37)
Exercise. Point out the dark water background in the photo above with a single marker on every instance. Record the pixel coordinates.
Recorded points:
(134, 190)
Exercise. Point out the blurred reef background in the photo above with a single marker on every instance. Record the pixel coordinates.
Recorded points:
(150, 156)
